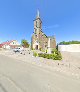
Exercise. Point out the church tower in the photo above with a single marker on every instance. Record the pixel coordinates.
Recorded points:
(39, 39)
(37, 24)
(37, 30)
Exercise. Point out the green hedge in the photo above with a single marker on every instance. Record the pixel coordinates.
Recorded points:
(56, 55)
(51, 56)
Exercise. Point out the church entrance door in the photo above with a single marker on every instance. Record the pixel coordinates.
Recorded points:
(36, 47)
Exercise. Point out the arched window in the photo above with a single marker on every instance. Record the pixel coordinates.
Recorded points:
(36, 23)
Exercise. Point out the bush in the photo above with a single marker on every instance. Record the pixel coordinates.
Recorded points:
(45, 55)
(54, 51)
(56, 55)
(35, 54)
(46, 51)
(40, 54)
(49, 56)
(40, 49)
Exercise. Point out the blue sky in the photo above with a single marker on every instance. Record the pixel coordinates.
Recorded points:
(59, 17)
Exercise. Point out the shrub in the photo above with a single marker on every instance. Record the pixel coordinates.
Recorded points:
(35, 54)
(46, 51)
(54, 51)
(51, 56)
(56, 55)
(40, 49)
(44, 55)
(32, 49)
(40, 54)
(48, 56)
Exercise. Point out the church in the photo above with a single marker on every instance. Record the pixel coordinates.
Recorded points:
(40, 41)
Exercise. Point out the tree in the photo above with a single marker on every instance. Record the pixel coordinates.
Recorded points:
(24, 43)
(69, 42)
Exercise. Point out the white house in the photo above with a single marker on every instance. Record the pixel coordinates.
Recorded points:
(9, 44)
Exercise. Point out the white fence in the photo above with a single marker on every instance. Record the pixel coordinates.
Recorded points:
(69, 48)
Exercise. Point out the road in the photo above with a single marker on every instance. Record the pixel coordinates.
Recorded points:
(19, 76)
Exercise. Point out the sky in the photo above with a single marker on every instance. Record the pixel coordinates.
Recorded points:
(59, 17)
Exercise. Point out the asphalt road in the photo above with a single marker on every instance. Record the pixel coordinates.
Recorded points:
(19, 76)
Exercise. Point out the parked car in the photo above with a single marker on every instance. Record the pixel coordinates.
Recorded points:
(19, 49)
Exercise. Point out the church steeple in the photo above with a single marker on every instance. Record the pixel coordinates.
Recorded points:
(38, 14)
(37, 23)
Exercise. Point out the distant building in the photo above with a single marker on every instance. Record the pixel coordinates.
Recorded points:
(39, 39)
(9, 44)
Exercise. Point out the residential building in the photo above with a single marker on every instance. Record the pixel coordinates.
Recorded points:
(9, 44)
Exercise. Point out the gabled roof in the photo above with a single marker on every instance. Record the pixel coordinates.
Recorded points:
(6, 43)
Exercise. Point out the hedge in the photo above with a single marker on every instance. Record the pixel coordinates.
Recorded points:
(56, 55)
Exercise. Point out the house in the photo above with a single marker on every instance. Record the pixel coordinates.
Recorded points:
(9, 44)
(39, 39)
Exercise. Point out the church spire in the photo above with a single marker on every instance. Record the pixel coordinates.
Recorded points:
(38, 14)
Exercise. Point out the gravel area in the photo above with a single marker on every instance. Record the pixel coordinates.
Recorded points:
(70, 65)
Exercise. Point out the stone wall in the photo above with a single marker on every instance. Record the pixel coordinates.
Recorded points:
(69, 48)
(52, 43)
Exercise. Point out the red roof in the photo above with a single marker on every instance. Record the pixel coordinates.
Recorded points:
(6, 43)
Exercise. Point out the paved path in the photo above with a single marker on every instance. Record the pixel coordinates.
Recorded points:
(19, 76)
